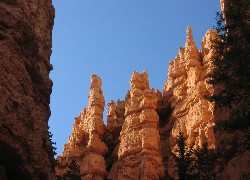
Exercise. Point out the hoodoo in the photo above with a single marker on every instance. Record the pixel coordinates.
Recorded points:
(139, 154)
(141, 131)
(86, 144)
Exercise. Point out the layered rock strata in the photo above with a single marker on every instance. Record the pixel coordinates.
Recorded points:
(141, 131)
(185, 93)
(115, 121)
(115, 116)
(86, 144)
(25, 88)
(139, 154)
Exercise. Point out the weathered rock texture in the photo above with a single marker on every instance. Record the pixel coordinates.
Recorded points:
(139, 154)
(185, 92)
(86, 144)
(115, 121)
(141, 131)
(25, 88)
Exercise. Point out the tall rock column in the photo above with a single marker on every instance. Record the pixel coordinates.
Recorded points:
(93, 164)
(185, 92)
(25, 88)
(86, 144)
(115, 121)
(139, 151)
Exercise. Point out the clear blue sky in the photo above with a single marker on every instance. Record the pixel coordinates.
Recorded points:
(112, 38)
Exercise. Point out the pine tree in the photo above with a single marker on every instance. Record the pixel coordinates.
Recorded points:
(231, 75)
(51, 150)
(183, 156)
(194, 163)
(52, 143)
(73, 172)
(205, 159)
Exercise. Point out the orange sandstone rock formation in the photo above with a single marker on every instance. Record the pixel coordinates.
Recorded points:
(86, 144)
(185, 92)
(137, 147)
(25, 88)
(141, 131)
(115, 121)
(139, 150)
(115, 115)
(131, 134)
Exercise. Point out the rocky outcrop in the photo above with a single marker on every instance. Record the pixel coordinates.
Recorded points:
(25, 88)
(141, 131)
(139, 150)
(131, 135)
(115, 121)
(86, 144)
(185, 94)
(115, 116)
(186, 90)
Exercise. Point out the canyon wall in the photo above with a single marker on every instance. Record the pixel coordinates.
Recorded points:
(140, 131)
(25, 88)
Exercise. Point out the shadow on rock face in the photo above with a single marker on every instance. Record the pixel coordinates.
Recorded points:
(11, 163)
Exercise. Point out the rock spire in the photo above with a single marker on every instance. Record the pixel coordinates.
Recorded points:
(86, 144)
(139, 150)
(192, 55)
(186, 91)
(141, 131)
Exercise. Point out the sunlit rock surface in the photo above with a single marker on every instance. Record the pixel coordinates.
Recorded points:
(185, 95)
(86, 144)
(139, 154)
(141, 131)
